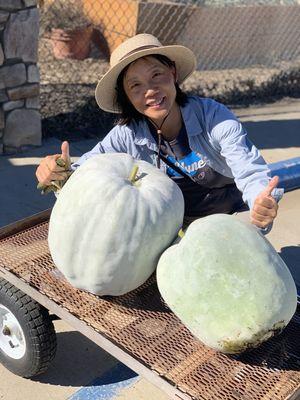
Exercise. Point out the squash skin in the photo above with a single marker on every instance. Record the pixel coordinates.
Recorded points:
(106, 233)
(227, 284)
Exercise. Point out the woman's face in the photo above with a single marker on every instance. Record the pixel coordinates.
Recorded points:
(150, 87)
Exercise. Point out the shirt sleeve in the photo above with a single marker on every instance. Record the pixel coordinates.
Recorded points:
(248, 167)
(112, 143)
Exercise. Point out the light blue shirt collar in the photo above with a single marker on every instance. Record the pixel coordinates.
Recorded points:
(142, 135)
(191, 121)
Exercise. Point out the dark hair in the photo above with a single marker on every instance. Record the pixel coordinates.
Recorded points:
(128, 112)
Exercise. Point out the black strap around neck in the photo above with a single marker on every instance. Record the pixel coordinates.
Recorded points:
(159, 134)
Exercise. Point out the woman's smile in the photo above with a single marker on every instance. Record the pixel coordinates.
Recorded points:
(156, 103)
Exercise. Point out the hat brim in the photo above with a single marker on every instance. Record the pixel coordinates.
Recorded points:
(105, 93)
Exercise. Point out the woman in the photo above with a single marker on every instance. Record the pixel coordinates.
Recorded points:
(198, 142)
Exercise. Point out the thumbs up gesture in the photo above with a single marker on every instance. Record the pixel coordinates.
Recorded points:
(265, 207)
(54, 170)
(65, 153)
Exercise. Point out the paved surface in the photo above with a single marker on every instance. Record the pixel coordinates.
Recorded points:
(19, 196)
(275, 129)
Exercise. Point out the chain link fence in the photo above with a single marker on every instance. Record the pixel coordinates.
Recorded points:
(247, 51)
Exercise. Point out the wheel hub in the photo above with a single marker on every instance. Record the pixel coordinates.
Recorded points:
(12, 339)
(6, 331)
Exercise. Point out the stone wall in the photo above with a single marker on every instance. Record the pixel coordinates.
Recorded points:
(20, 120)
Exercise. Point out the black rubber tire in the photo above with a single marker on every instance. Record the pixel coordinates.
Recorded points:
(38, 331)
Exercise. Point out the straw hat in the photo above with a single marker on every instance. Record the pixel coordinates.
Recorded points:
(139, 46)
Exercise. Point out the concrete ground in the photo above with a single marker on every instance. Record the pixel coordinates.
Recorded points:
(79, 364)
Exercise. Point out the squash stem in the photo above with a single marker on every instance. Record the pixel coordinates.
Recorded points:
(132, 176)
(180, 233)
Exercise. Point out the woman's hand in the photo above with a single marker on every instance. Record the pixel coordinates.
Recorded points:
(49, 170)
(265, 206)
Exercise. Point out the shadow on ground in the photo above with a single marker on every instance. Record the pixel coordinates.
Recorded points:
(20, 197)
(274, 134)
(291, 256)
(78, 361)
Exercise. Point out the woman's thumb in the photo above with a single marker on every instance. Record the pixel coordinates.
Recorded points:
(272, 185)
(65, 151)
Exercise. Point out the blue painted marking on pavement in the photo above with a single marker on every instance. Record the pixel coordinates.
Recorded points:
(108, 385)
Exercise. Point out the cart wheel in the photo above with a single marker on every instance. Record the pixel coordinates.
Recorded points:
(27, 335)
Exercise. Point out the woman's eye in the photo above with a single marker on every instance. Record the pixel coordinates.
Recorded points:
(134, 85)
(156, 74)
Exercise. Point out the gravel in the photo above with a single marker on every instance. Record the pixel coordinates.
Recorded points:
(69, 110)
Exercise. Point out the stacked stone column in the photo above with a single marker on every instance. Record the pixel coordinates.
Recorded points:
(20, 120)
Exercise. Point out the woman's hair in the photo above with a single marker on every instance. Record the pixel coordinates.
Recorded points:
(128, 112)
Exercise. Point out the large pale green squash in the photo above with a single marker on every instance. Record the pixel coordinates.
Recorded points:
(107, 230)
(227, 284)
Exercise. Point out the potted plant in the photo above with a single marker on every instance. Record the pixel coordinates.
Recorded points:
(69, 31)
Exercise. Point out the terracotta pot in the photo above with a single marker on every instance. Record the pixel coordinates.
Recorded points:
(74, 44)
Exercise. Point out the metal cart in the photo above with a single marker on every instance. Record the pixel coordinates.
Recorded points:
(137, 328)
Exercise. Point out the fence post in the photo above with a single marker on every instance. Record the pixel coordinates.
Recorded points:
(20, 120)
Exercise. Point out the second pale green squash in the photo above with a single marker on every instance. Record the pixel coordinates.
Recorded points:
(227, 284)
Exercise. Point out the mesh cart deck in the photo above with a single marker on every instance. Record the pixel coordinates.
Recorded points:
(142, 332)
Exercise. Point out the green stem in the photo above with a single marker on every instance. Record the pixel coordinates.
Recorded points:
(180, 233)
(132, 176)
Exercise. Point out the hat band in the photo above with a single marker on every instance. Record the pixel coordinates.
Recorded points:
(138, 49)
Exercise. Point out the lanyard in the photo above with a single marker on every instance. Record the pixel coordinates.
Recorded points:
(166, 160)
(175, 168)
